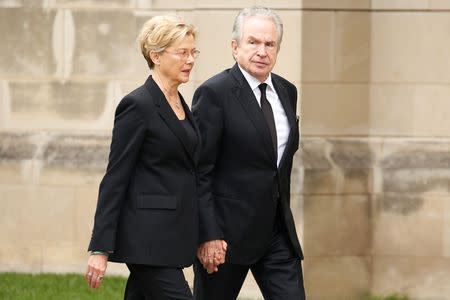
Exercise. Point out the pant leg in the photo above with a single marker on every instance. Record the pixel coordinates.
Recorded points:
(161, 283)
(224, 284)
(279, 272)
(132, 291)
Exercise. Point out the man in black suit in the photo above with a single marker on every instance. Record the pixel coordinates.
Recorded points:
(249, 130)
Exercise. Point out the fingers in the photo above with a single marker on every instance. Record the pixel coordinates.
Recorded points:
(224, 245)
(96, 269)
(211, 254)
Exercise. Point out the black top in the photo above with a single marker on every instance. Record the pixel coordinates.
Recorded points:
(147, 204)
(191, 135)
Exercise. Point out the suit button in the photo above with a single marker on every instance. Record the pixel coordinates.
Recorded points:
(192, 171)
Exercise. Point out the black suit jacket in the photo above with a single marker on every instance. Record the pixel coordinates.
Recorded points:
(147, 211)
(239, 183)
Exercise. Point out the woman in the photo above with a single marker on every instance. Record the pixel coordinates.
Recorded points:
(146, 214)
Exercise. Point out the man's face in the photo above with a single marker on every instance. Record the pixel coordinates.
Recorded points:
(258, 50)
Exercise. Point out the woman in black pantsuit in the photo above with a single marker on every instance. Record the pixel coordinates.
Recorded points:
(146, 213)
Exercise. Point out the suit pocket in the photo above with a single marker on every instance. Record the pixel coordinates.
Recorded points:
(157, 202)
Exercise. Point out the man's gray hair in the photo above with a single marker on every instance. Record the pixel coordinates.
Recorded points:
(256, 11)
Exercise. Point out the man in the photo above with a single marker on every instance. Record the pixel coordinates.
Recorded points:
(246, 117)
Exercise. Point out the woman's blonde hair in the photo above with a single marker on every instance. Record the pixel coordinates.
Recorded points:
(160, 32)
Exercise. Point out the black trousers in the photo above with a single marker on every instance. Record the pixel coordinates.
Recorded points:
(156, 283)
(278, 274)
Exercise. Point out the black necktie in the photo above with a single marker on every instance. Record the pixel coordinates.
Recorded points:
(268, 115)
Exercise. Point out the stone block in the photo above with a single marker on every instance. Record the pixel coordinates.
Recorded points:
(446, 235)
(297, 177)
(297, 207)
(17, 146)
(105, 44)
(95, 3)
(317, 46)
(439, 4)
(61, 105)
(333, 4)
(64, 259)
(26, 48)
(167, 4)
(70, 160)
(337, 225)
(416, 166)
(290, 4)
(400, 4)
(338, 110)
(357, 181)
(408, 225)
(85, 206)
(313, 154)
(352, 47)
(17, 258)
(392, 109)
(320, 182)
(67, 176)
(410, 109)
(415, 154)
(417, 181)
(431, 110)
(36, 216)
(353, 153)
(335, 182)
(80, 152)
(418, 277)
(410, 47)
(4, 103)
(15, 172)
(214, 42)
(289, 57)
(330, 225)
(336, 277)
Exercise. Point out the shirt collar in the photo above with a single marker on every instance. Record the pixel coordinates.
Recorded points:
(253, 82)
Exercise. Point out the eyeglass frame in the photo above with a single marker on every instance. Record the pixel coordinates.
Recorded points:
(180, 53)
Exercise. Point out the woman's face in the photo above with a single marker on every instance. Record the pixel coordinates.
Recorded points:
(177, 61)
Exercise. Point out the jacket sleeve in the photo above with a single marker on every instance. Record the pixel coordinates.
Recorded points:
(127, 137)
(208, 114)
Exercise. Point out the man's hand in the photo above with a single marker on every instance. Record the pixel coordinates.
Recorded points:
(211, 254)
(96, 269)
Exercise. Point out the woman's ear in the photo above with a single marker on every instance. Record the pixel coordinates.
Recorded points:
(155, 57)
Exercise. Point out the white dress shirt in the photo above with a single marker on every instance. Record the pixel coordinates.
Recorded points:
(279, 115)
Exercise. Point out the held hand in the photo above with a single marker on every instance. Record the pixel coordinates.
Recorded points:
(211, 254)
(96, 269)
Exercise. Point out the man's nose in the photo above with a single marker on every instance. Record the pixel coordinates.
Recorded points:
(262, 51)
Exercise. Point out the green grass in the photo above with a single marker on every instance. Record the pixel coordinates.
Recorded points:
(14, 286)
(390, 297)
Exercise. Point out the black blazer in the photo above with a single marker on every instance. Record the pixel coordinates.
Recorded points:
(147, 204)
(239, 183)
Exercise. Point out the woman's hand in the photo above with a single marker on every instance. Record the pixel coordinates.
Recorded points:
(96, 269)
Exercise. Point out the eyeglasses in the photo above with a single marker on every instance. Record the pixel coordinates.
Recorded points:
(184, 54)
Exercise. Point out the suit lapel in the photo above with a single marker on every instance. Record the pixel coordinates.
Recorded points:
(168, 115)
(290, 114)
(246, 97)
(196, 150)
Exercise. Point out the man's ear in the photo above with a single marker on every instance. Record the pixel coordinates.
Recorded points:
(234, 47)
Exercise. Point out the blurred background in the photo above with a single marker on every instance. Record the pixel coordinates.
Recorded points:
(370, 184)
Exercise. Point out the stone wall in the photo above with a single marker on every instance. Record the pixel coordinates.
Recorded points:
(370, 185)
